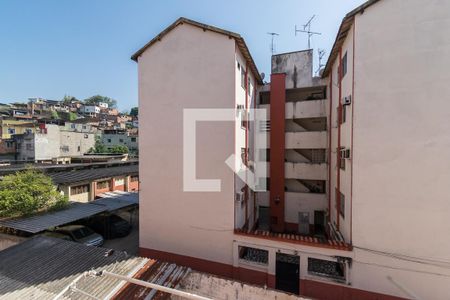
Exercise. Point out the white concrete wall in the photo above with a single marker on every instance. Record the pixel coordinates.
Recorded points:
(219, 288)
(188, 68)
(303, 202)
(306, 140)
(47, 145)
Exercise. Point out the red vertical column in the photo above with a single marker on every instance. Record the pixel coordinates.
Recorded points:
(277, 149)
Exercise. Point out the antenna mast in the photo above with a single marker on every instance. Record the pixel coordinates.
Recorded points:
(272, 44)
(321, 55)
(307, 29)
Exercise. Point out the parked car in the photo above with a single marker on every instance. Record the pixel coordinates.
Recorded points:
(110, 226)
(81, 234)
(57, 235)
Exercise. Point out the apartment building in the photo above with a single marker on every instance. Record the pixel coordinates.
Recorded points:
(52, 141)
(193, 66)
(115, 137)
(355, 159)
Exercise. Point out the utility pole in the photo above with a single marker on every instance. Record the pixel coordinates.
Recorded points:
(272, 44)
(307, 29)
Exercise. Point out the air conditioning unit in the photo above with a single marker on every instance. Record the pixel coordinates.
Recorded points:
(345, 153)
(347, 100)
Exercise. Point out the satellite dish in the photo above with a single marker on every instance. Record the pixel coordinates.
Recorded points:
(263, 75)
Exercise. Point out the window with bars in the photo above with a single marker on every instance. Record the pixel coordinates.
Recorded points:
(103, 185)
(326, 268)
(80, 189)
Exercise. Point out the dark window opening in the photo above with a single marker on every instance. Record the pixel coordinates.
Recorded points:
(325, 268)
(254, 255)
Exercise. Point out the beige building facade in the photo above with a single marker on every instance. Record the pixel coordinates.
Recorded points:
(356, 159)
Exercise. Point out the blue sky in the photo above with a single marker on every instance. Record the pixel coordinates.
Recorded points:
(49, 48)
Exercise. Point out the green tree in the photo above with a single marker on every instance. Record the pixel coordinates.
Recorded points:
(67, 99)
(134, 111)
(95, 100)
(55, 115)
(99, 147)
(28, 192)
(72, 116)
(119, 149)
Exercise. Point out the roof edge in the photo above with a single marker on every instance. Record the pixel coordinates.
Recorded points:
(238, 39)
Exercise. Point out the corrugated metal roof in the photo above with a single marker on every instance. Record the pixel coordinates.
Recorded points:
(42, 267)
(93, 174)
(34, 224)
(75, 211)
(117, 200)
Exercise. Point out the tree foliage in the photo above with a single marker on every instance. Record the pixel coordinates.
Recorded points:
(119, 149)
(67, 99)
(95, 100)
(100, 148)
(134, 111)
(28, 192)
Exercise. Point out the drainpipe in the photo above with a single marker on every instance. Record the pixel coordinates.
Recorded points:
(338, 152)
(330, 130)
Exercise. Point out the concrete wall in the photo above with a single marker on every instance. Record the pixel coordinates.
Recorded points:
(188, 68)
(7, 240)
(76, 143)
(124, 139)
(297, 66)
(47, 145)
(397, 203)
(218, 288)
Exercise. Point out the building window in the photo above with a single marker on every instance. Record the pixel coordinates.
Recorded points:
(86, 136)
(29, 147)
(79, 148)
(81, 189)
(341, 158)
(133, 139)
(134, 178)
(254, 255)
(243, 78)
(109, 140)
(103, 185)
(120, 140)
(238, 65)
(326, 268)
(72, 126)
(343, 113)
(119, 182)
(84, 126)
(11, 131)
(344, 65)
(342, 204)
(244, 155)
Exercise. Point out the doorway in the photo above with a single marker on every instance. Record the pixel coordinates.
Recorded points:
(287, 273)
(303, 223)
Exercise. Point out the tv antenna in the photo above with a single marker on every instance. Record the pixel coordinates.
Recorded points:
(307, 29)
(272, 44)
(321, 55)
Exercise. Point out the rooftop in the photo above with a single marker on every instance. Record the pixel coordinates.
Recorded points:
(46, 268)
(74, 212)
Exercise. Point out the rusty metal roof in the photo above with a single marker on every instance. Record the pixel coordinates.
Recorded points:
(43, 267)
(238, 38)
(346, 24)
